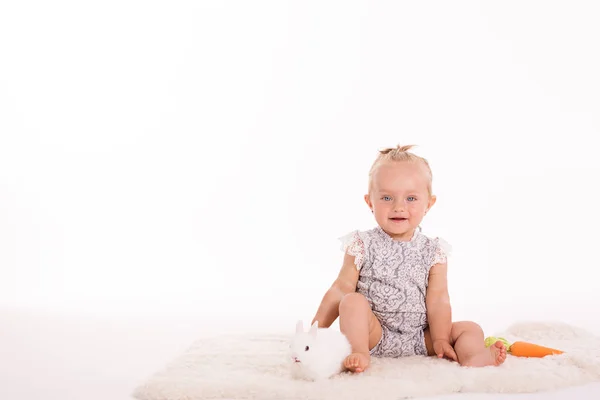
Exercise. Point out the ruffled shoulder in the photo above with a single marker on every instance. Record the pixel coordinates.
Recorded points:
(354, 243)
(442, 251)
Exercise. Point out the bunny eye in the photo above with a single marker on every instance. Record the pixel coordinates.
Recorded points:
(306, 348)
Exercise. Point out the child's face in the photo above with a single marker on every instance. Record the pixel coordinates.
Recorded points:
(399, 198)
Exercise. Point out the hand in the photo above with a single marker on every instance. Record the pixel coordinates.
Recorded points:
(442, 348)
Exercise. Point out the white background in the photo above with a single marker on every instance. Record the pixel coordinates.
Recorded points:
(202, 158)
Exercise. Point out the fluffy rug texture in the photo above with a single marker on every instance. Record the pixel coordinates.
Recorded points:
(257, 367)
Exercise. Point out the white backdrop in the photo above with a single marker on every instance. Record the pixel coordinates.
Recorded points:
(204, 157)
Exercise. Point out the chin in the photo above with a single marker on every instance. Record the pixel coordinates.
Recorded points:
(396, 231)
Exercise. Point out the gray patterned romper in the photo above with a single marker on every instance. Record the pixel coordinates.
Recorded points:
(393, 277)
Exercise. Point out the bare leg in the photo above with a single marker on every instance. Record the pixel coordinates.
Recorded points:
(468, 342)
(362, 329)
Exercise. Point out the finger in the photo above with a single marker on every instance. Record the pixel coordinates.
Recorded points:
(448, 352)
(453, 355)
(440, 352)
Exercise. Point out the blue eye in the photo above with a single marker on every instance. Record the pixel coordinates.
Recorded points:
(386, 198)
(411, 197)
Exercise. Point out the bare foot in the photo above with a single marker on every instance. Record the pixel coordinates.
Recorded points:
(357, 362)
(494, 355)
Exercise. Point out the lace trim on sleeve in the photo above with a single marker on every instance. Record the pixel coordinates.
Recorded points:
(354, 246)
(442, 251)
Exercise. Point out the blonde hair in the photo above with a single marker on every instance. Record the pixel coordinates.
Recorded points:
(400, 154)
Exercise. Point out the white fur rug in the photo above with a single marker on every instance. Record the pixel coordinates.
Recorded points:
(256, 367)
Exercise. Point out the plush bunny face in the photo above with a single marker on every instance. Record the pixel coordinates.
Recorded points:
(318, 353)
(304, 348)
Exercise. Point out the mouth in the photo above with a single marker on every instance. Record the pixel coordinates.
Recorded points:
(398, 219)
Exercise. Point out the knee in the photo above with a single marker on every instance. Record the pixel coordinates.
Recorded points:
(352, 301)
(465, 326)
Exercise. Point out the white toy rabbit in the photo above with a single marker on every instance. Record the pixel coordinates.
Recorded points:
(318, 354)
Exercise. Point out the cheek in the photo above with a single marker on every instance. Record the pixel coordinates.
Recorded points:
(380, 205)
(385, 207)
(417, 208)
(381, 212)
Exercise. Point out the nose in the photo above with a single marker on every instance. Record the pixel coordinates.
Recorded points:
(399, 206)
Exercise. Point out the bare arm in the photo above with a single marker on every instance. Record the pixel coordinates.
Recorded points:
(345, 283)
(439, 312)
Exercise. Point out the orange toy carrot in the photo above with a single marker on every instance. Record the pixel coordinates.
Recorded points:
(523, 349)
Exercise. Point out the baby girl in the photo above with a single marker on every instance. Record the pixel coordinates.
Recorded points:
(391, 293)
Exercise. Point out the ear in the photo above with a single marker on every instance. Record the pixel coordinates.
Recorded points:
(432, 201)
(368, 201)
(314, 328)
(299, 326)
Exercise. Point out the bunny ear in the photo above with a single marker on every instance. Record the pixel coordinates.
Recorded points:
(299, 326)
(314, 328)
